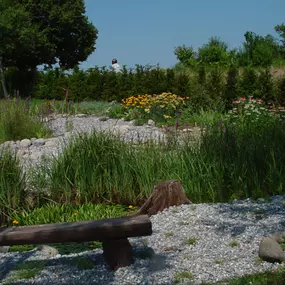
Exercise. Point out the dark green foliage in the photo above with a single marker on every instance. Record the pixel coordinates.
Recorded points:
(215, 88)
(281, 92)
(207, 89)
(248, 83)
(231, 87)
(256, 50)
(45, 32)
(34, 33)
(265, 85)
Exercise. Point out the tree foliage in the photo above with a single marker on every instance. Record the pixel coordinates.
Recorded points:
(256, 50)
(45, 32)
(215, 51)
(280, 29)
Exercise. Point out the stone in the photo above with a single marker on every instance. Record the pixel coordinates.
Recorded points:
(151, 123)
(21, 152)
(270, 249)
(50, 143)
(35, 155)
(48, 249)
(25, 143)
(39, 142)
(4, 249)
(132, 123)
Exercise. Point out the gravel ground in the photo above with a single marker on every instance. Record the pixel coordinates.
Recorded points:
(197, 239)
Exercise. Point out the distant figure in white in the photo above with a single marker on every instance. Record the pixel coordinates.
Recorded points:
(116, 66)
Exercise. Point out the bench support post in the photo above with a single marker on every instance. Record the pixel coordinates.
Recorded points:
(118, 253)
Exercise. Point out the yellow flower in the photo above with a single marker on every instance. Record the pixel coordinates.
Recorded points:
(146, 110)
(76, 214)
(166, 116)
(15, 222)
(130, 207)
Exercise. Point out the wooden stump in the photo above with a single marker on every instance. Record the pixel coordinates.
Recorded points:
(166, 194)
(117, 253)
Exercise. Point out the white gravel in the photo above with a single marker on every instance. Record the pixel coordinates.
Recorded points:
(211, 258)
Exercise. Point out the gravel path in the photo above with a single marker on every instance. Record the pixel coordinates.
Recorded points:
(210, 242)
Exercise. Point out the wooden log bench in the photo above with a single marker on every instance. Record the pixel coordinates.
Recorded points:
(113, 233)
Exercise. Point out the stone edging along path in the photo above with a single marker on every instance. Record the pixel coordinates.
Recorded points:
(32, 150)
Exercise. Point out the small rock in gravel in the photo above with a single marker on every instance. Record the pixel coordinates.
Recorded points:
(50, 143)
(4, 249)
(25, 143)
(48, 249)
(39, 142)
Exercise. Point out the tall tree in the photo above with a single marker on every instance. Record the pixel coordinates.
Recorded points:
(215, 51)
(40, 32)
(280, 29)
(258, 50)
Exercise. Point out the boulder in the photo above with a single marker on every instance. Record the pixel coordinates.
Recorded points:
(270, 249)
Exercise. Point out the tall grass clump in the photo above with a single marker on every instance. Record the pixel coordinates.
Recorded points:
(245, 153)
(101, 168)
(12, 185)
(18, 121)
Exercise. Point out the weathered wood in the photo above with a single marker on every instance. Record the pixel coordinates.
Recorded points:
(83, 231)
(118, 253)
(166, 194)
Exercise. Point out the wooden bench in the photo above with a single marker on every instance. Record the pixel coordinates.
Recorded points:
(113, 233)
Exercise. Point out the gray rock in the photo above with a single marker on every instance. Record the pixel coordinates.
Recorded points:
(132, 123)
(50, 143)
(21, 152)
(39, 142)
(4, 249)
(48, 249)
(270, 249)
(35, 155)
(25, 143)
(151, 123)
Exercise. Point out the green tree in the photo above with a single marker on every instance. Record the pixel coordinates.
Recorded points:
(258, 50)
(214, 52)
(186, 55)
(48, 32)
(280, 29)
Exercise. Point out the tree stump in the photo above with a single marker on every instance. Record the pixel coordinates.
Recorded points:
(166, 194)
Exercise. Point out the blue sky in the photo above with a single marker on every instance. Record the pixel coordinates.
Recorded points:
(147, 31)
